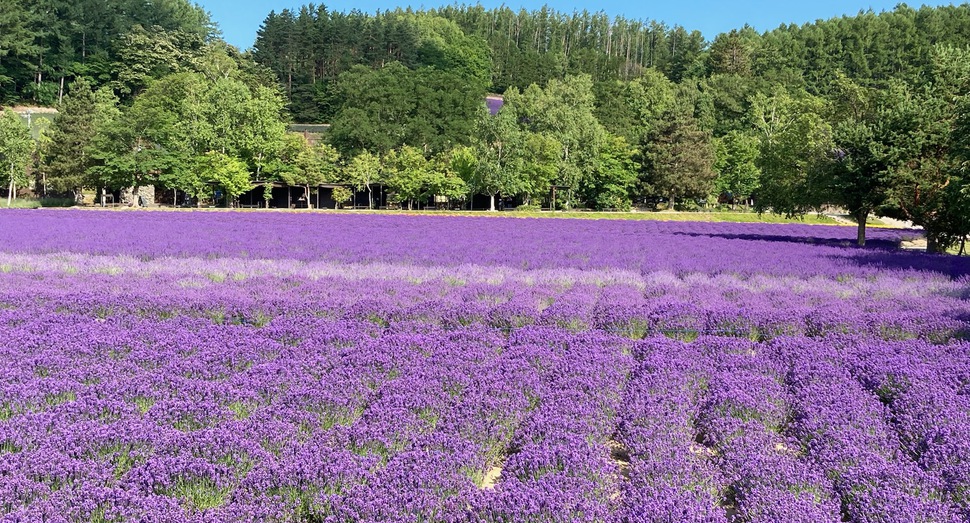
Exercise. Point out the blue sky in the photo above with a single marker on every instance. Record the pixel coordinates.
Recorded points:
(239, 19)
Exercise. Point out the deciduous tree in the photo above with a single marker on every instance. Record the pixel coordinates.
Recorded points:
(795, 139)
(362, 172)
(614, 180)
(407, 173)
(736, 164)
(16, 147)
(498, 149)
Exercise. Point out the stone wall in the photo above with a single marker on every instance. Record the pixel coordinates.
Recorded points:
(145, 196)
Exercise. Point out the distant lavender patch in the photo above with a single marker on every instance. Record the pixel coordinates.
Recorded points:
(494, 103)
(217, 367)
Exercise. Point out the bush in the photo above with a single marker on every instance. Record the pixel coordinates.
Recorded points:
(687, 205)
(528, 208)
(37, 203)
(342, 195)
(608, 201)
(22, 203)
(57, 202)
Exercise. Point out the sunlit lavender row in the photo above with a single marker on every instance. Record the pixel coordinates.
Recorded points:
(217, 367)
(524, 243)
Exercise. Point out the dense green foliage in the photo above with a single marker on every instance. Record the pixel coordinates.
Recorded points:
(16, 147)
(793, 119)
(309, 48)
(867, 113)
(121, 43)
(499, 48)
(385, 108)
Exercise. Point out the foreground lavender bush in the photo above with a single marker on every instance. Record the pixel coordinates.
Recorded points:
(297, 368)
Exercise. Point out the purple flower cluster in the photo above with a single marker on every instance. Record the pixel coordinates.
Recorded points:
(211, 367)
(847, 432)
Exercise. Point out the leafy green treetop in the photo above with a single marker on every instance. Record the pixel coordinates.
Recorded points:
(736, 164)
(795, 142)
(16, 147)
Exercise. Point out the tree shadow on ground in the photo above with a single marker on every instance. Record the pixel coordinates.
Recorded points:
(904, 260)
(875, 243)
(878, 253)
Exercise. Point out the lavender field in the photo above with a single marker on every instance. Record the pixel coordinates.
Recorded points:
(223, 367)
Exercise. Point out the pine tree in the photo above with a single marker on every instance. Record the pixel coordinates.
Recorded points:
(65, 155)
(678, 159)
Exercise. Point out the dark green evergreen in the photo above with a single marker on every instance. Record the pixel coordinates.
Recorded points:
(66, 155)
(47, 44)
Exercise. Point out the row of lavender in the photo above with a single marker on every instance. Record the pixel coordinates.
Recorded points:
(793, 430)
(887, 306)
(188, 420)
(209, 387)
(180, 419)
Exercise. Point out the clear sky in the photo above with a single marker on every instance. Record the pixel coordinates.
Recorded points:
(239, 19)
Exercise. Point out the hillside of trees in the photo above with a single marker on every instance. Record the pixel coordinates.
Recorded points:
(45, 44)
(866, 112)
(862, 112)
(309, 48)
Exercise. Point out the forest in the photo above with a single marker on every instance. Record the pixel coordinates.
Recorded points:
(865, 112)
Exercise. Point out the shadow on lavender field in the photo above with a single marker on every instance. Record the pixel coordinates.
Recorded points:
(896, 260)
(882, 253)
(841, 241)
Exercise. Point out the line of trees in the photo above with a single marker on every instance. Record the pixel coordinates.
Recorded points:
(310, 47)
(147, 95)
(860, 111)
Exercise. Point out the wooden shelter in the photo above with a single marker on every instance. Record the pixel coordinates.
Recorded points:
(285, 196)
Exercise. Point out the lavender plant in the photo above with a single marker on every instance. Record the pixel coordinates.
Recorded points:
(211, 367)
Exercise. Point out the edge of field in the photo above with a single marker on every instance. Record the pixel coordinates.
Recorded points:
(692, 216)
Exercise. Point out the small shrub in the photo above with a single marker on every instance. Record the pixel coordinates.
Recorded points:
(37, 203)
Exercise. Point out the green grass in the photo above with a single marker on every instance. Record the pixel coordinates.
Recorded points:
(143, 403)
(60, 398)
(242, 410)
(37, 203)
(200, 493)
(710, 216)
(715, 216)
